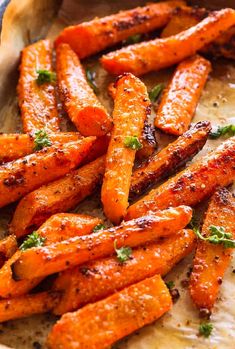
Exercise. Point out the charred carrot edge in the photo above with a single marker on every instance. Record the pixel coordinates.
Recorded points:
(146, 261)
(169, 159)
(80, 101)
(37, 102)
(211, 261)
(180, 98)
(59, 196)
(42, 261)
(112, 318)
(162, 53)
(128, 122)
(19, 177)
(8, 246)
(91, 37)
(193, 184)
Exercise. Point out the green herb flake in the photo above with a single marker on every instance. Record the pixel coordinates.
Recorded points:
(134, 39)
(132, 142)
(205, 329)
(155, 93)
(218, 236)
(123, 253)
(45, 76)
(98, 227)
(91, 76)
(228, 130)
(170, 284)
(33, 240)
(41, 140)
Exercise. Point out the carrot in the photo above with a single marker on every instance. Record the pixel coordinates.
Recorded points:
(80, 101)
(161, 53)
(169, 159)
(193, 184)
(99, 279)
(61, 195)
(37, 102)
(8, 246)
(91, 37)
(211, 261)
(180, 98)
(131, 107)
(42, 261)
(99, 148)
(19, 177)
(112, 318)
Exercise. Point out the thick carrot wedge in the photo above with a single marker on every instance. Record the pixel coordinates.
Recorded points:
(58, 196)
(91, 37)
(8, 246)
(80, 101)
(27, 305)
(19, 177)
(162, 53)
(131, 108)
(42, 261)
(37, 102)
(211, 261)
(169, 159)
(193, 184)
(112, 318)
(99, 279)
(180, 98)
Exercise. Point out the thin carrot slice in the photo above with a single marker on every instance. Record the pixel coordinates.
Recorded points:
(8, 246)
(61, 195)
(112, 318)
(37, 102)
(91, 37)
(131, 107)
(80, 101)
(42, 261)
(193, 184)
(211, 261)
(161, 53)
(99, 279)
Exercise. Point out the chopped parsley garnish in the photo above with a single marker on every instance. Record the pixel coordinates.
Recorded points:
(205, 329)
(91, 75)
(155, 93)
(123, 253)
(217, 236)
(228, 130)
(134, 39)
(45, 76)
(132, 142)
(41, 140)
(98, 227)
(170, 284)
(33, 240)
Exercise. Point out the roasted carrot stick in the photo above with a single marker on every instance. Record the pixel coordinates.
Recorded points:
(180, 98)
(19, 177)
(37, 101)
(193, 184)
(112, 318)
(131, 107)
(8, 246)
(91, 37)
(169, 159)
(99, 148)
(59, 196)
(99, 279)
(80, 101)
(42, 261)
(162, 53)
(211, 261)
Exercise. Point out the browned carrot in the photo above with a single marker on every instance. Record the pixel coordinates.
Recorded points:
(37, 101)
(91, 37)
(42, 261)
(193, 184)
(8, 246)
(161, 53)
(112, 318)
(99, 279)
(80, 101)
(131, 107)
(58, 196)
(211, 261)
(180, 98)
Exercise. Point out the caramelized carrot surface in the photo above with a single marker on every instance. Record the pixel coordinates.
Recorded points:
(131, 107)
(37, 102)
(193, 184)
(112, 318)
(180, 99)
(59, 196)
(211, 261)
(42, 261)
(161, 53)
(91, 37)
(8, 246)
(80, 101)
